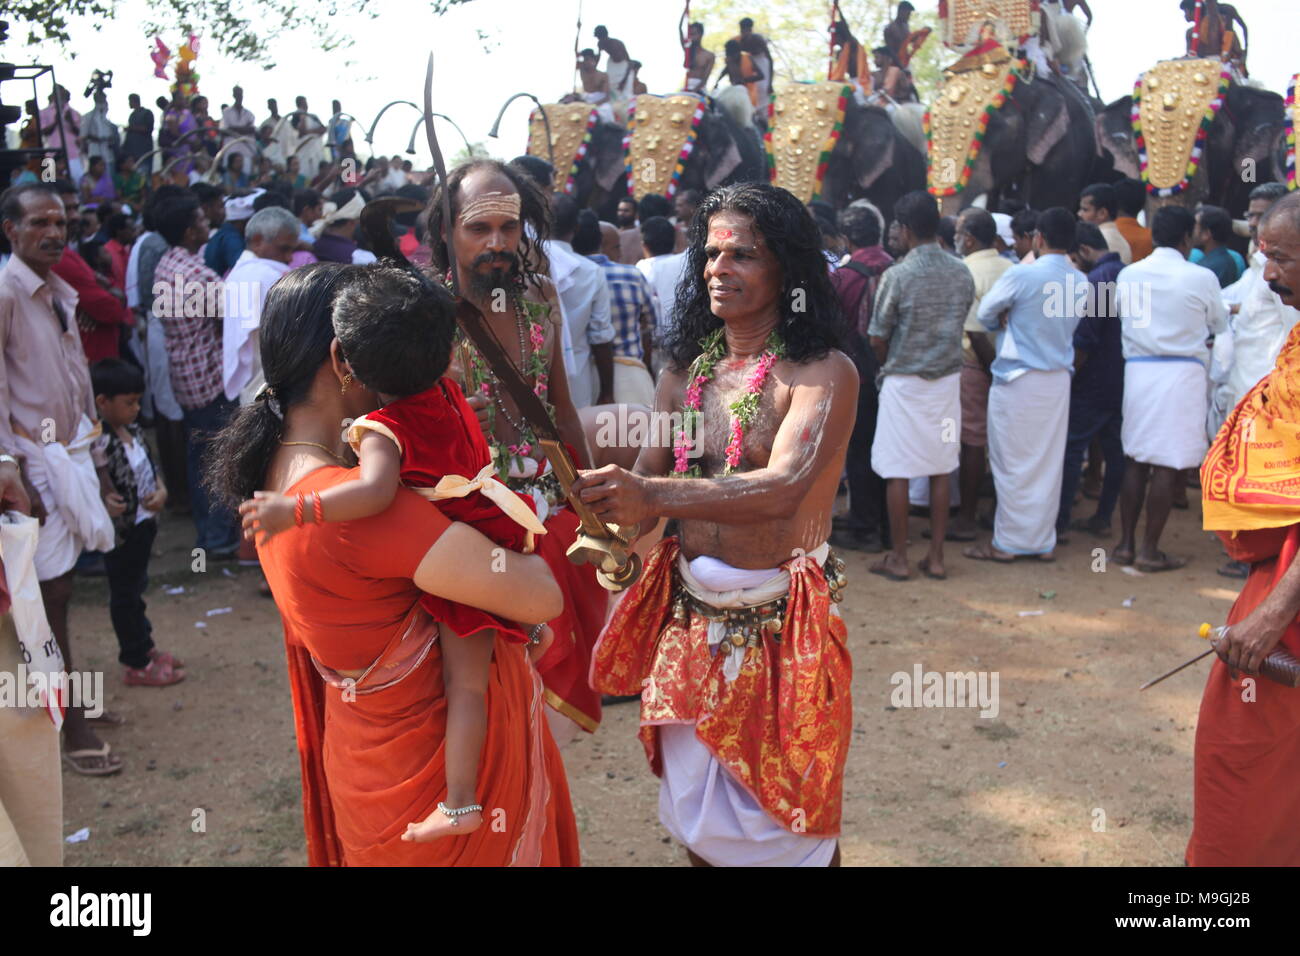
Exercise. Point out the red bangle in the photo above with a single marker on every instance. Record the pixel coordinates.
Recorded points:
(297, 511)
(317, 508)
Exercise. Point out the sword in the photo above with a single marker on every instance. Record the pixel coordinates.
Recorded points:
(1204, 633)
(599, 542)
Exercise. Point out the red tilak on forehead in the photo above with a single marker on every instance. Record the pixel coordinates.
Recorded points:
(722, 234)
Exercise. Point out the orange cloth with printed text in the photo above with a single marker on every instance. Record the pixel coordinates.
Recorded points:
(1251, 475)
(781, 728)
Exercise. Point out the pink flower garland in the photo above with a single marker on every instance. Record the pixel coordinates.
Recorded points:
(742, 409)
(753, 386)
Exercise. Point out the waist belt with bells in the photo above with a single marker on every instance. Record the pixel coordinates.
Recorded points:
(743, 626)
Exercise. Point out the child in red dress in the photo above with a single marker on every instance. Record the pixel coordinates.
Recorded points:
(396, 335)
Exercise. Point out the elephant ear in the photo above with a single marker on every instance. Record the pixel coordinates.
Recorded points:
(1048, 117)
(1114, 129)
(1260, 116)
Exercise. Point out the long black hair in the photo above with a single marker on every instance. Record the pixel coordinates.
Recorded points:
(532, 213)
(295, 333)
(810, 323)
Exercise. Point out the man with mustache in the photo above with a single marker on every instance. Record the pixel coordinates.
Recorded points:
(45, 387)
(499, 221)
(1247, 777)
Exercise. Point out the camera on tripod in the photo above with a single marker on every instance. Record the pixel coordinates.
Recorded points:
(99, 82)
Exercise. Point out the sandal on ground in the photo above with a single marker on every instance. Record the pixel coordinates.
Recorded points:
(924, 566)
(93, 763)
(1122, 558)
(158, 673)
(107, 719)
(172, 659)
(1162, 563)
(951, 535)
(887, 574)
(1234, 569)
(985, 552)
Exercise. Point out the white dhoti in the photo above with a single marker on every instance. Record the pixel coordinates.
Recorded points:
(76, 519)
(1028, 420)
(764, 65)
(619, 76)
(700, 803)
(918, 427)
(1165, 405)
(632, 383)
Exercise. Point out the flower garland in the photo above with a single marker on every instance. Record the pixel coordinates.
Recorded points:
(481, 380)
(1198, 147)
(977, 141)
(768, 148)
(687, 148)
(743, 410)
(1290, 133)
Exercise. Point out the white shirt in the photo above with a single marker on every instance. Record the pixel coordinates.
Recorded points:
(1116, 241)
(133, 272)
(233, 116)
(395, 178)
(585, 296)
(1259, 329)
(245, 290)
(664, 273)
(1169, 307)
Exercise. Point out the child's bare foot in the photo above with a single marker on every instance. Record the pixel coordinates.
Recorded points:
(438, 824)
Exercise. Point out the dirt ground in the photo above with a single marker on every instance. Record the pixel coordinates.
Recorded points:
(1074, 747)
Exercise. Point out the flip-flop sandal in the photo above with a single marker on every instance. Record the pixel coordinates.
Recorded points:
(1123, 558)
(985, 554)
(108, 719)
(1231, 570)
(1165, 563)
(888, 574)
(924, 566)
(157, 655)
(159, 673)
(104, 753)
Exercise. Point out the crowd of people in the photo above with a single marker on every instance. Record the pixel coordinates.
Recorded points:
(190, 349)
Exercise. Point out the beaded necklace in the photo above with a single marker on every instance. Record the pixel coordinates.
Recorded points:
(743, 409)
(480, 379)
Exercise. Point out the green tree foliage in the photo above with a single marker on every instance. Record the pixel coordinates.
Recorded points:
(798, 31)
(243, 30)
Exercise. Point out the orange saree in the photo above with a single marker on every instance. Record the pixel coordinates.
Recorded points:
(371, 749)
(1247, 772)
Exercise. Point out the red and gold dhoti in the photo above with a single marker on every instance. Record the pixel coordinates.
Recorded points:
(762, 673)
(565, 665)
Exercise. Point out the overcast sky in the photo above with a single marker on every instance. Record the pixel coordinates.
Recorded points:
(530, 49)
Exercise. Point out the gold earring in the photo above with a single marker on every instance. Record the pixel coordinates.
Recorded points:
(347, 380)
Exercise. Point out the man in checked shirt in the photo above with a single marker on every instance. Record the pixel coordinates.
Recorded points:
(631, 309)
(188, 298)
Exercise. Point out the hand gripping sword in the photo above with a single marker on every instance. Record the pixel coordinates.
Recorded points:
(600, 543)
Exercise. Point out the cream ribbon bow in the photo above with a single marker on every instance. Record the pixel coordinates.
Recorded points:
(486, 481)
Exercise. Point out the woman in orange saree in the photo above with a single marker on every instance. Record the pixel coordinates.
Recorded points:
(364, 659)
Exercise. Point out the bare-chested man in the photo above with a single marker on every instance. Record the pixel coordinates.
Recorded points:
(699, 61)
(618, 65)
(730, 635)
(755, 44)
(595, 84)
(500, 220)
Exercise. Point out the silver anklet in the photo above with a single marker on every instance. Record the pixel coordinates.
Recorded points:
(458, 812)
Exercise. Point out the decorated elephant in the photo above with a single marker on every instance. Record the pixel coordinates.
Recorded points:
(822, 145)
(673, 142)
(998, 130)
(1196, 136)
